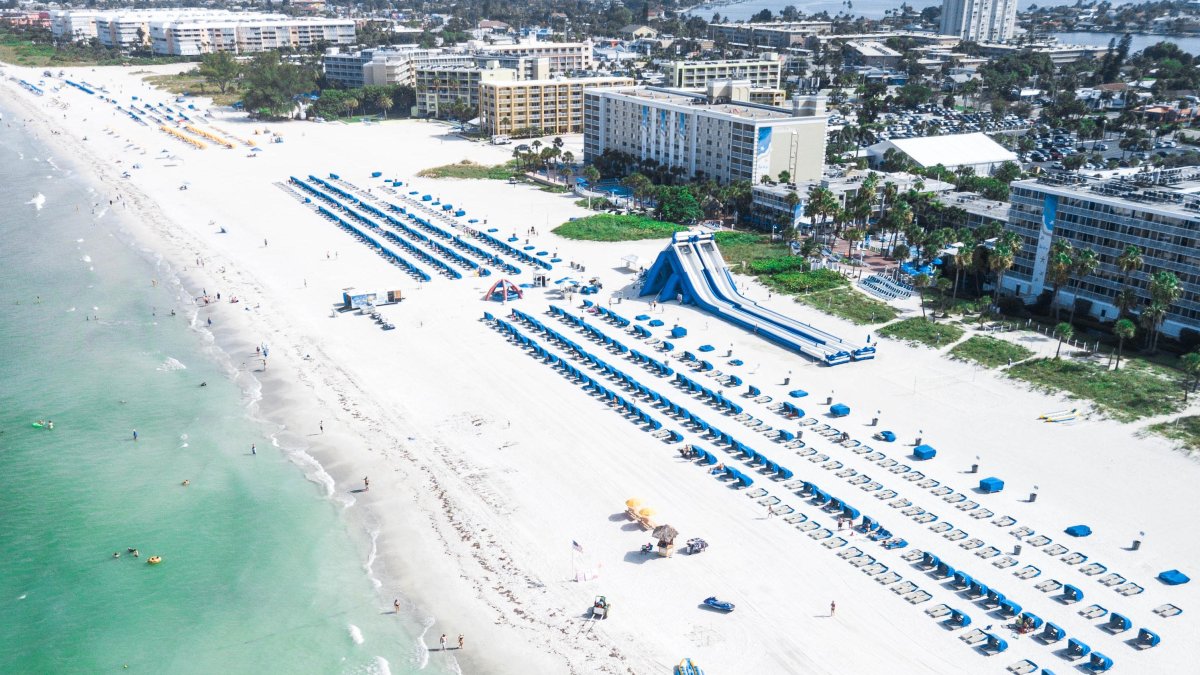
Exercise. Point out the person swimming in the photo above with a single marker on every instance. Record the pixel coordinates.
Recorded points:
(203, 384)
(116, 554)
(186, 482)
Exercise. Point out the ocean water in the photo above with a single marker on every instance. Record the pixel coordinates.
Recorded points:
(261, 572)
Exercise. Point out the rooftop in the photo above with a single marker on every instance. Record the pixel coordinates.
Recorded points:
(1172, 190)
(700, 101)
(953, 149)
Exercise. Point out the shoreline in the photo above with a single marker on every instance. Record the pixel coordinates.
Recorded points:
(269, 396)
(485, 465)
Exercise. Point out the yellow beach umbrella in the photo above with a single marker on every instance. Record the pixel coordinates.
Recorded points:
(647, 512)
(633, 502)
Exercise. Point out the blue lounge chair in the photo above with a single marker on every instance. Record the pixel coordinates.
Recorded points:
(994, 644)
(1099, 663)
(1028, 616)
(1052, 633)
(1009, 608)
(962, 579)
(958, 619)
(944, 570)
(1118, 623)
(1077, 649)
(1147, 639)
(930, 560)
(1071, 594)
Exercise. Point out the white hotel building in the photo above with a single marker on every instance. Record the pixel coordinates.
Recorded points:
(247, 35)
(715, 133)
(189, 32)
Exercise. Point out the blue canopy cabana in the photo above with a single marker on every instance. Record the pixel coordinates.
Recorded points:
(1079, 530)
(1173, 578)
(991, 485)
(923, 451)
(839, 410)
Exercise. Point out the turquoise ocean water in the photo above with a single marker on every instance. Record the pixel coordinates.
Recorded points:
(260, 573)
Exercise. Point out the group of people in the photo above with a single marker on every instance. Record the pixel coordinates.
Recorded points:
(443, 641)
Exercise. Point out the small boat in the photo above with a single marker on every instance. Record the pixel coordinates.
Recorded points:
(154, 560)
(719, 605)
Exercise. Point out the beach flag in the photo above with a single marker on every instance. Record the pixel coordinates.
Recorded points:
(576, 546)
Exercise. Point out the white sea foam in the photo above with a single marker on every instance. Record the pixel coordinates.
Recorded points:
(170, 365)
(71, 310)
(355, 634)
(370, 564)
(421, 659)
(79, 241)
(183, 440)
(26, 595)
(50, 161)
(38, 202)
(86, 258)
(382, 667)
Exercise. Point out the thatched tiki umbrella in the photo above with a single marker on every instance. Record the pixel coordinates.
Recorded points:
(665, 535)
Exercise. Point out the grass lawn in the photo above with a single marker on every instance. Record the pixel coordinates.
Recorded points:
(741, 249)
(471, 170)
(191, 84)
(990, 352)
(921, 331)
(850, 305)
(555, 189)
(21, 51)
(608, 227)
(1138, 390)
(1185, 431)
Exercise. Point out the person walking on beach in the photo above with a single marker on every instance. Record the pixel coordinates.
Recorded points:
(460, 640)
(832, 607)
(135, 434)
(366, 484)
(253, 450)
(321, 425)
(443, 641)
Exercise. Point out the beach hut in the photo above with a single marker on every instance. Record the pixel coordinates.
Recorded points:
(839, 410)
(1147, 639)
(958, 618)
(1079, 530)
(1118, 623)
(1052, 633)
(923, 451)
(995, 643)
(1173, 578)
(991, 485)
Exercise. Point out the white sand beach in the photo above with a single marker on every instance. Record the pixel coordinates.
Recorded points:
(486, 464)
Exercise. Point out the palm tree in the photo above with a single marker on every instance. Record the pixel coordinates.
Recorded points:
(821, 204)
(1085, 263)
(1165, 289)
(1190, 364)
(999, 262)
(791, 200)
(962, 257)
(920, 283)
(1058, 269)
(384, 102)
(1125, 330)
(1064, 331)
(1128, 262)
(852, 236)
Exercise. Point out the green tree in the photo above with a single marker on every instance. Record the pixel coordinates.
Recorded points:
(383, 101)
(220, 69)
(785, 176)
(920, 283)
(1190, 364)
(1084, 264)
(1065, 332)
(677, 205)
(852, 235)
(1165, 289)
(273, 84)
(592, 174)
(1058, 269)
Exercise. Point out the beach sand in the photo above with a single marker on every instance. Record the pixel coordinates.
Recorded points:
(485, 464)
